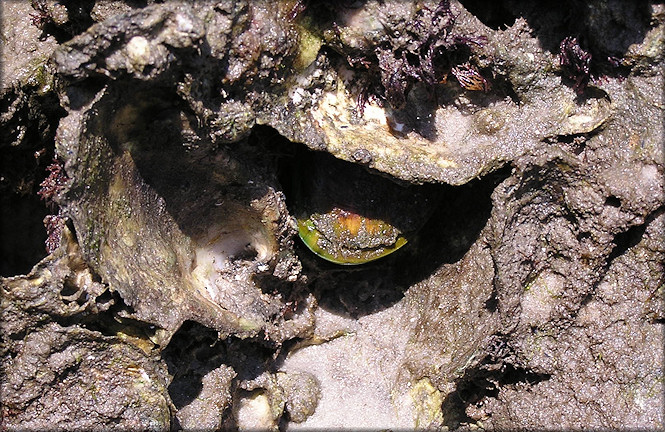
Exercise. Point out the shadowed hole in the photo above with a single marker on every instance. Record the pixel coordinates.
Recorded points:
(192, 353)
(613, 201)
(494, 14)
(452, 226)
(22, 232)
(483, 382)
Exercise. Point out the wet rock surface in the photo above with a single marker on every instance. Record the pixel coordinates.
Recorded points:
(176, 293)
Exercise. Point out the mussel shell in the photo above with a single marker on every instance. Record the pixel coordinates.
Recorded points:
(348, 215)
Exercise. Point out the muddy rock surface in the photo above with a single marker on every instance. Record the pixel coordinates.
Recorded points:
(159, 158)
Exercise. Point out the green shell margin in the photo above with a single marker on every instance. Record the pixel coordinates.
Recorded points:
(310, 237)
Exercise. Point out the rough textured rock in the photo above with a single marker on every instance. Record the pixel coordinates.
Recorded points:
(176, 294)
(68, 361)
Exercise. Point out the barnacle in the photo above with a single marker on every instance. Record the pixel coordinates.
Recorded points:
(469, 78)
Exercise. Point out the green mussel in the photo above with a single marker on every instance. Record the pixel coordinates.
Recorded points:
(349, 215)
